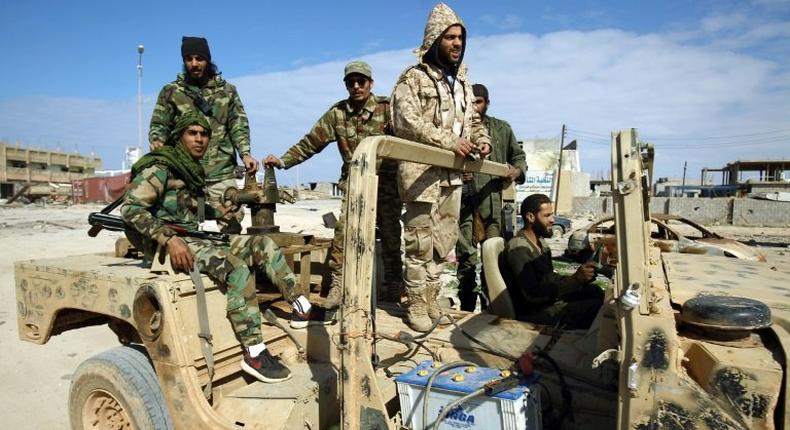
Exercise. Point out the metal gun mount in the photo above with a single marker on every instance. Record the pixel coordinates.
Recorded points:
(262, 200)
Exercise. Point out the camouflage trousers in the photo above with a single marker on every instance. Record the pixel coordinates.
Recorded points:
(430, 232)
(388, 213)
(468, 256)
(230, 264)
(214, 193)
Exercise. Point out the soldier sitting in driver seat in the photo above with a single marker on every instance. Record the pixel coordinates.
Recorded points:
(167, 187)
(539, 294)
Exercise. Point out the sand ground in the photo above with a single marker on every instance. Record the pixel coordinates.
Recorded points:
(35, 379)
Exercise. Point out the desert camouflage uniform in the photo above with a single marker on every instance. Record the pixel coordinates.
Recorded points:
(425, 109)
(542, 296)
(229, 124)
(157, 197)
(483, 193)
(348, 128)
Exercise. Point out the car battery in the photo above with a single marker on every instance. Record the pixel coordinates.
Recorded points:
(517, 408)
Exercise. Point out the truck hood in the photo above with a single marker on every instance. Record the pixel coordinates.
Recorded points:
(690, 275)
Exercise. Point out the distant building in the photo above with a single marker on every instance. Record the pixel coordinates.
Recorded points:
(30, 166)
(674, 187)
(751, 176)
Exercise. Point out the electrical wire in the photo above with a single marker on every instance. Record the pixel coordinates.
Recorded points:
(455, 403)
(747, 136)
(428, 386)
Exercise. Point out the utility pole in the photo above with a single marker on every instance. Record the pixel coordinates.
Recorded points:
(559, 172)
(140, 49)
(683, 184)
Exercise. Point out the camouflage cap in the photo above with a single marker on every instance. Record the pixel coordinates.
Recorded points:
(360, 67)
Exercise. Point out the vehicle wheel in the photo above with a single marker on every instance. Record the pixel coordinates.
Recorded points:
(117, 389)
(557, 231)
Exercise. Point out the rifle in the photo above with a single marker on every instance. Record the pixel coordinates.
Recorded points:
(99, 221)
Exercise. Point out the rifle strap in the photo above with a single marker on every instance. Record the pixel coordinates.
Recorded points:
(201, 208)
(205, 332)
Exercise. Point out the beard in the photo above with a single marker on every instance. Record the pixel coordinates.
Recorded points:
(542, 231)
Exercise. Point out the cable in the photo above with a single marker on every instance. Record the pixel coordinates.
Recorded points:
(453, 404)
(764, 134)
(441, 369)
(732, 136)
(485, 346)
(567, 397)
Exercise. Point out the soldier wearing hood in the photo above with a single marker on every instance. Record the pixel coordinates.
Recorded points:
(433, 104)
(201, 88)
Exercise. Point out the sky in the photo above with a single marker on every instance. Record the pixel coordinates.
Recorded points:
(707, 82)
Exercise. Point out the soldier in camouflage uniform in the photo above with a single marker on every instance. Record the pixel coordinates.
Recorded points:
(347, 122)
(481, 196)
(540, 295)
(167, 189)
(432, 103)
(200, 87)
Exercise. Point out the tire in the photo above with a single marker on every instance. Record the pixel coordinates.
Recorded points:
(557, 231)
(117, 389)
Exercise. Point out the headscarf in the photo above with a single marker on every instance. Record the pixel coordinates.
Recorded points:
(176, 157)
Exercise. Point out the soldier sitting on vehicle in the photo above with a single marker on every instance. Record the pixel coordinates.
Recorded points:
(167, 187)
(539, 294)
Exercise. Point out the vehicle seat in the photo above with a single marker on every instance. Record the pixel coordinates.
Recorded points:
(494, 263)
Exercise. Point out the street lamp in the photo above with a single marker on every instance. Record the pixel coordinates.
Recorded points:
(140, 49)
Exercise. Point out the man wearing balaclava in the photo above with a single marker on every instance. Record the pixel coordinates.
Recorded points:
(433, 104)
(201, 88)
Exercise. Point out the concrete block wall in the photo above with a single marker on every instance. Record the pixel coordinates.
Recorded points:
(708, 211)
(702, 210)
(765, 213)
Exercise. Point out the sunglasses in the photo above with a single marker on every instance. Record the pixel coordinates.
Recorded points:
(350, 82)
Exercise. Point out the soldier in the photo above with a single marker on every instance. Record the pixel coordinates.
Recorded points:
(539, 295)
(200, 87)
(347, 122)
(481, 199)
(167, 189)
(432, 103)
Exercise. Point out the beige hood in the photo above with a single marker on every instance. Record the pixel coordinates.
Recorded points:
(440, 19)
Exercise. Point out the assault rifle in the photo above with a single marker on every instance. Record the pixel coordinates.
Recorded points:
(99, 221)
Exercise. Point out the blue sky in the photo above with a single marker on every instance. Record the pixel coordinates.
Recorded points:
(679, 71)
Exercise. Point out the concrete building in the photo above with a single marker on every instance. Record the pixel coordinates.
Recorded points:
(29, 166)
(751, 176)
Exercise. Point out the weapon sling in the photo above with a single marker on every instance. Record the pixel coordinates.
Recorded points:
(205, 332)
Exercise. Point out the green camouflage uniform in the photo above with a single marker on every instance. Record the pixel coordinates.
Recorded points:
(428, 110)
(229, 124)
(157, 197)
(348, 128)
(542, 296)
(483, 193)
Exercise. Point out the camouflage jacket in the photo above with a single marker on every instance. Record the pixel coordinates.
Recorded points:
(343, 125)
(157, 197)
(504, 149)
(229, 125)
(425, 109)
(536, 283)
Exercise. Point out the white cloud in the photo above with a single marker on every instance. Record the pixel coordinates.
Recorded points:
(506, 23)
(595, 81)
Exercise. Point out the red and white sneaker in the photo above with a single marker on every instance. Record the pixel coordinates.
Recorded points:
(265, 368)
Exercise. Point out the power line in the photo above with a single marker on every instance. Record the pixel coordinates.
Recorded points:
(753, 136)
(733, 136)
